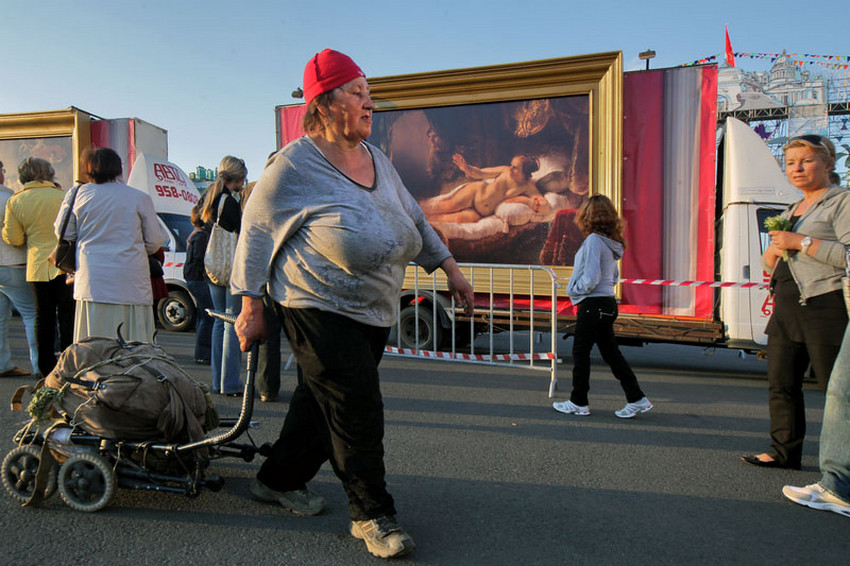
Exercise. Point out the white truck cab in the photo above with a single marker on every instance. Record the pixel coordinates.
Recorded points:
(753, 187)
(173, 195)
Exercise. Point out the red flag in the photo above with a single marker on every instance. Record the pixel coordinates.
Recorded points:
(730, 56)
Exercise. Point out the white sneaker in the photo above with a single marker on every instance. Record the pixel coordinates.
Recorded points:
(631, 409)
(571, 408)
(383, 536)
(816, 497)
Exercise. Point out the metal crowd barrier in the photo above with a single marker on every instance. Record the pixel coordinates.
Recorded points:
(509, 298)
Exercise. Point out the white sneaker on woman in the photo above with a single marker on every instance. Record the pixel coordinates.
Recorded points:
(571, 408)
(631, 409)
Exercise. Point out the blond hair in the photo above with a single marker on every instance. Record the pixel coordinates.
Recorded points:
(820, 144)
(230, 169)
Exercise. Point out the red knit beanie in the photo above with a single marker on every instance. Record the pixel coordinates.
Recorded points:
(326, 71)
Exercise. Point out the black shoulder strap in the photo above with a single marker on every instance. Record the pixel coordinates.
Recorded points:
(68, 214)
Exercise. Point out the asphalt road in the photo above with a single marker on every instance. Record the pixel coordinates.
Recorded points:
(484, 471)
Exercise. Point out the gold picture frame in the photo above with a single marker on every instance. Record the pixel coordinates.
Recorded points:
(598, 78)
(44, 125)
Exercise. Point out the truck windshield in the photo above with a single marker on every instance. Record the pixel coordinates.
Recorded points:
(180, 226)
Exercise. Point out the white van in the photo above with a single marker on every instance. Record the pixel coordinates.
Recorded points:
(173, 195)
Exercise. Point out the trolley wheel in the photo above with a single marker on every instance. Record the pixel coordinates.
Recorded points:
(86, 482)
(19, 469)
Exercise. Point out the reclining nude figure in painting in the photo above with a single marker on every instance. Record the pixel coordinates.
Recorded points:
(493, 185)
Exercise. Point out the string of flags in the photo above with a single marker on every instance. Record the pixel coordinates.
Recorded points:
(840, 62)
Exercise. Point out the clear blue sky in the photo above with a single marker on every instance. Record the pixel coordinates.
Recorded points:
(211, 72)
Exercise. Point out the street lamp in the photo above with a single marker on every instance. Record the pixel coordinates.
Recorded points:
(646, 56)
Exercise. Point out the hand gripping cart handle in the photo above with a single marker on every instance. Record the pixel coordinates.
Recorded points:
(244, 420)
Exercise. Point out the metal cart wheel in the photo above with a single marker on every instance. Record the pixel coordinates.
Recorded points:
(19, 469)
(86, 482)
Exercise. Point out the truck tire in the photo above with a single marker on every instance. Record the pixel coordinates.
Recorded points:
(176, 313)
(429, 335)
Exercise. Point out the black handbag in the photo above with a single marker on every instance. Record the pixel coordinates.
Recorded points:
(64, 255)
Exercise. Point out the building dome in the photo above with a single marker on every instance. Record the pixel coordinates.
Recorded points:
(783, 70)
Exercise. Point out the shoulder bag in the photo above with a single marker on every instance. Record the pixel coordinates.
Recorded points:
(64, 255)
(218, 259)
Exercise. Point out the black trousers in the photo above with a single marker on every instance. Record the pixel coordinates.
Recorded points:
(595, 325)
(336, 414)
(787, 362)
(54, 302)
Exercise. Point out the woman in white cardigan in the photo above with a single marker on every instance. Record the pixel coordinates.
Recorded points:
(116, 228)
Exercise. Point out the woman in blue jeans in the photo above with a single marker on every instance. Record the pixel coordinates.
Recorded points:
(832, 492)
(221, 206)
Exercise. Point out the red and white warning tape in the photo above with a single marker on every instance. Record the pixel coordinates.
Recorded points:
(470, 357)
(672, 283)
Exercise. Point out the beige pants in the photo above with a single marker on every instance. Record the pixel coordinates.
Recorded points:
(102, 320)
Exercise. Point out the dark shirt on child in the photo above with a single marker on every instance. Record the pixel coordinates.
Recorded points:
(196, 247)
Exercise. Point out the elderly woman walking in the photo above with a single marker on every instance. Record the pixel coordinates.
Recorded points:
(331, 228)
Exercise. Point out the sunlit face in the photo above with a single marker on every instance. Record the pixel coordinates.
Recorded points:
(806, 169)
(351, 110)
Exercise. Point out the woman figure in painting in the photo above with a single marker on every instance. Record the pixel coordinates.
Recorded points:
(330, 228)
(116, 228)
(591, 289)
(220, 205)
(493, 185)
(809, 316)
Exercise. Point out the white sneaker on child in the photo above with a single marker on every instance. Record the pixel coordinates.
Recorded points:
(631, 409)
(571, 408)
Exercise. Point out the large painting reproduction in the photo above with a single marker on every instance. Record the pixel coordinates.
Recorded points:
(55, 135)
(492, 177)
(499, 158)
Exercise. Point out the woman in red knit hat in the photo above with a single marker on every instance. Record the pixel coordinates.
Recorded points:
(329, 230)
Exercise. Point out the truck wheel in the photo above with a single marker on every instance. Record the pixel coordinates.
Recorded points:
(176, 312)
(429, 335)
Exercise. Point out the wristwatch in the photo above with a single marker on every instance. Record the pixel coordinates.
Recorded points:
(804, 245)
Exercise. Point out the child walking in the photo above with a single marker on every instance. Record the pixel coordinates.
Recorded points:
(591, 289)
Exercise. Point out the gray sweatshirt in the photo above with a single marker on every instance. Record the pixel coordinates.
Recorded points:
(828, 220)
(322, 241)
(595, 270)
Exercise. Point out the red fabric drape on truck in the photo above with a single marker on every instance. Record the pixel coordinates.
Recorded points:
(289, 120)
(669, 131)
(643, 172)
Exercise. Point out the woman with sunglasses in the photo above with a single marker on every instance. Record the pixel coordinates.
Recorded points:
(809, 315)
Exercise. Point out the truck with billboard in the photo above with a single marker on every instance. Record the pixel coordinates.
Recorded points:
(60, 136)
(694, 197)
